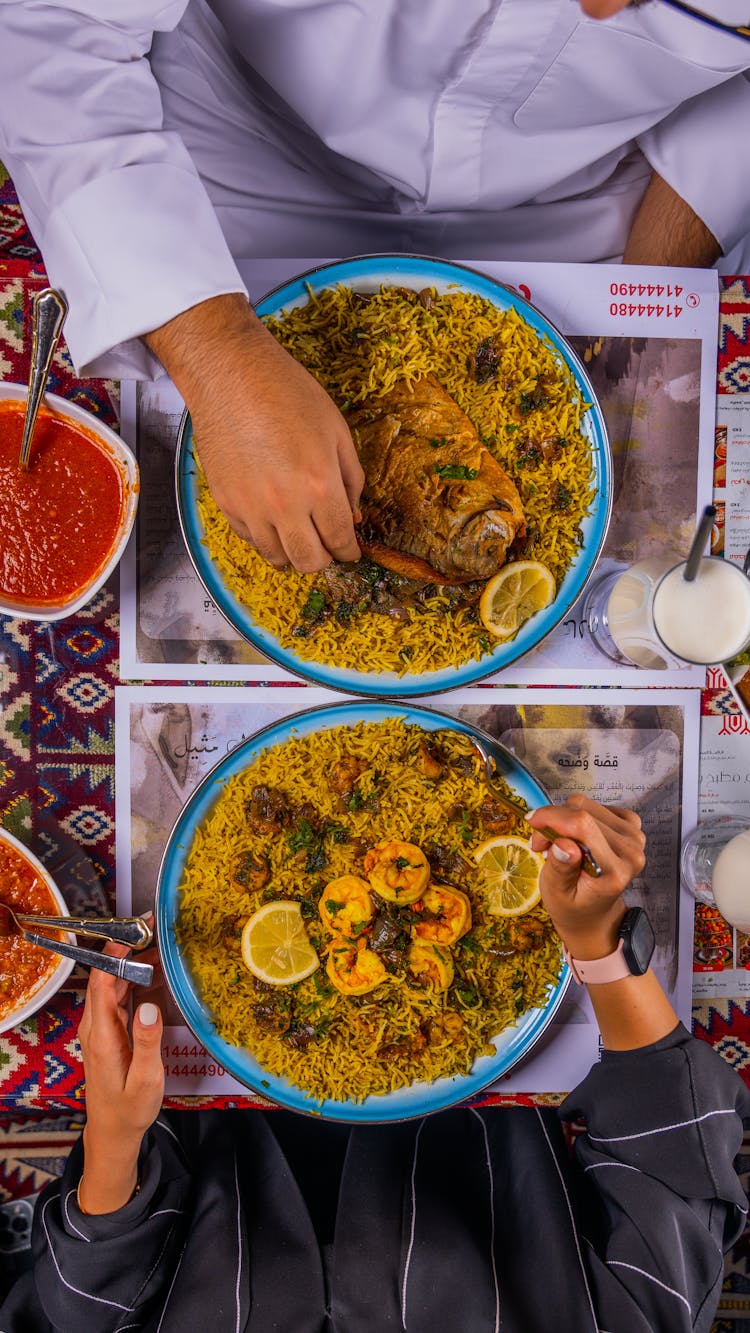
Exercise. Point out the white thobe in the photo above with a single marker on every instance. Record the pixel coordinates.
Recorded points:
(155, 142)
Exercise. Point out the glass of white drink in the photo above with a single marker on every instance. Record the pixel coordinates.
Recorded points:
(706, 620)
(700, 855)
(652, 616)
(731, 881)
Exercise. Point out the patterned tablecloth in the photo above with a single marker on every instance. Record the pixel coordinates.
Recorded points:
(57, 719)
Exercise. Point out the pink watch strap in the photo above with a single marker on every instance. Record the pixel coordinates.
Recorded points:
(597, 970)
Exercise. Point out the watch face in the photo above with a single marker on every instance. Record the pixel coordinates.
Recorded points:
(637, 940)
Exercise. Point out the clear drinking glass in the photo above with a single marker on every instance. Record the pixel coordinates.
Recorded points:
(700, 853)
(650, 615)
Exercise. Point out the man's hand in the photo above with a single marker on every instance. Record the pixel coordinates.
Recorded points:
(124, 1088)
(587, 912)
(276, 451)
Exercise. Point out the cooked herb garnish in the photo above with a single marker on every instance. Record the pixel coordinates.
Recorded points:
(529, 402)
(467, 994)
(314, 606)
(457, 472)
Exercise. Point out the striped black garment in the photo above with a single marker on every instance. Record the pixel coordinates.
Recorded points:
(466, 1222)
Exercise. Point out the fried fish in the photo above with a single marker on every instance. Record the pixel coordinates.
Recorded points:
(436, 505)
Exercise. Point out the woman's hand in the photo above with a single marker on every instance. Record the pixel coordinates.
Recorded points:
(278, 455)
(634, 1011)
(587, 912)
(124, 1088)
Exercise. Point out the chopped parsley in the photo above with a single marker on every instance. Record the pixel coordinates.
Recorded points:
(314, 606)
(562, 498)
(456, 472)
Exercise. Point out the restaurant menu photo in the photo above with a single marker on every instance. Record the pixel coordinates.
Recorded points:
(621, 747)
(648, 352)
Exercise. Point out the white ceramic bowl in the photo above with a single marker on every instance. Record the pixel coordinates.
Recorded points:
(52, 983)
(128, 468)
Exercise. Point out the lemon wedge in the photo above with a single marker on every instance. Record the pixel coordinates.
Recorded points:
(509, 875)
(514, 595)
(275, 946)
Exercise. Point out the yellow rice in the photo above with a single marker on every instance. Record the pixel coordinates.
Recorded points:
(357, 349)
(345, 1062)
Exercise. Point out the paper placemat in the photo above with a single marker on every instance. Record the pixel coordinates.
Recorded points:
(650, 351)
(621, 747)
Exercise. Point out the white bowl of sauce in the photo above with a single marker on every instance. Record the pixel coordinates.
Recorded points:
(29, 976)
(65, 521)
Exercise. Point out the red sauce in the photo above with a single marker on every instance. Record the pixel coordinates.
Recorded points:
(59, 520)
(23, 966)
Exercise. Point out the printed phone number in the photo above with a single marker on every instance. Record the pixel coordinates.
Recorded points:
(194, 1071)
(206, 1069)
(650, 307)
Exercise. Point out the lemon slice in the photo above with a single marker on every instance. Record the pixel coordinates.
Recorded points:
(509, 875)
(275, 946)
(515, 594)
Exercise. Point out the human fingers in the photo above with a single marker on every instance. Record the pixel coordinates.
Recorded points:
(302, 545)
(613, 815)
(105, 992)
(263, 537)
(352, 475)
(334, 522)
(145, 1080)
(610, 834)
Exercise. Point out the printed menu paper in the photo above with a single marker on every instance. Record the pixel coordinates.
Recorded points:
(622, 747)
(721, 959)
(649, 348)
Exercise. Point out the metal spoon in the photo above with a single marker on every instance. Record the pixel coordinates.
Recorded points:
(49, 311)
(588, 862)
(141, 974)
(125, 930)
(130, 930)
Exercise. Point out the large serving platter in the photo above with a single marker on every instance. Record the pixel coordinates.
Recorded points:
(405, 1103)
(368, 274)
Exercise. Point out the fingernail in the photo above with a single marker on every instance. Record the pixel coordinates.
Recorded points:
(147, 1014)
(530, 813)
(559, 853)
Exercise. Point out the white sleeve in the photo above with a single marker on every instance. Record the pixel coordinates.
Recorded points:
(123, 221)
(701, 150)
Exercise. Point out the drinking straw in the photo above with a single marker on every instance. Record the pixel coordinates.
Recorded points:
(699, 541)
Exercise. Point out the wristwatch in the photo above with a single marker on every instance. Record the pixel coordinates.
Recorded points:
(630, 959)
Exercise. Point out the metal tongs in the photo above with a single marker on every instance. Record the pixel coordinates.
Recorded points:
(588, 862)
(130, 930)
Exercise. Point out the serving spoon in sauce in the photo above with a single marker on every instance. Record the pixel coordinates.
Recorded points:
(49, 311)
(133, 931)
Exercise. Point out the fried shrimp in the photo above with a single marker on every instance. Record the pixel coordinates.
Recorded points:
(397, 871)
(447, 915)
(345, 906)
(431, 966)
(353, 970)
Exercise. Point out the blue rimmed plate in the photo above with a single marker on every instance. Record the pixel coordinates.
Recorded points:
(369, 273)
(419, 1098)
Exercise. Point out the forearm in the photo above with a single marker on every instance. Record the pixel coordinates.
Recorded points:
(632, 1012)
(110, 1173)
(210, 339)
(666, 231)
